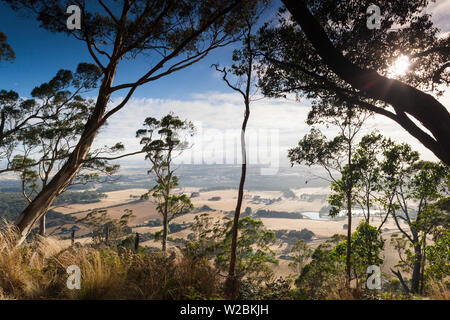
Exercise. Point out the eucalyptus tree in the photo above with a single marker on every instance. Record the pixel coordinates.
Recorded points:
(373, 186)
(173, 35)
(15, 115)
(324, 49)
(162, 142)
(366, 162)
(335, 156)
(300, 253)
(243, 72)
(438, 258)
(367, 247)
(22, 119)
(43, 146)
(419, 187)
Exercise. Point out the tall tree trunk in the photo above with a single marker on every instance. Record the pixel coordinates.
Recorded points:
(415, 277)
(349, 238)
(42, 226)
(422, 269)
(166, 204)
(402, 281)
(164, 237)
(349, 213)
(42, 202)
(232, 282)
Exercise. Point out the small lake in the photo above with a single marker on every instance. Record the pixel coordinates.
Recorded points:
(355, 212)
(314, 216)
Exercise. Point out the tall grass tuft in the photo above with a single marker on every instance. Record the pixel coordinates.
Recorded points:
(37, 270)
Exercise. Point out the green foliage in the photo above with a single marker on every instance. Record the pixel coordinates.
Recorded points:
(154, 223)
(314, 148)
(367, 246)
(6, 52)
(12, 203)
(105, 229)
(86, 196)
(54, 218)
(438, 255)
(293, 236)
(292, 65)
(289, 194)
(185, 26)
(176, 227)
(301, 253)
(46, 129)
(247, 212)
(321, 275)
(273, 289)
(324, 211)
(403, 248)
(161, 139)
(262, 213)
(253, 252)
(326, 269)
(425, 184)
(213, 239)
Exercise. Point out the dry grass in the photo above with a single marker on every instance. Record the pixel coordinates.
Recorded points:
(162, 276)
(38, 271)
(438, 291)
(19, 266)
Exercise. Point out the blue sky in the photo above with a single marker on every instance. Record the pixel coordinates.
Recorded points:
(40, 54)
(196, 93)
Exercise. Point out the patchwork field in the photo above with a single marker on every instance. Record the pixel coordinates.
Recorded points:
(223, 201)
(113, 198)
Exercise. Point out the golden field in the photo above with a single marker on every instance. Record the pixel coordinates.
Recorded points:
(144, 211)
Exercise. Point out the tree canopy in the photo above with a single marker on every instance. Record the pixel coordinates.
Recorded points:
(6, 52)
(334, 56)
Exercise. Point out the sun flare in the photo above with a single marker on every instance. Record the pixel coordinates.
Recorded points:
(399, 67)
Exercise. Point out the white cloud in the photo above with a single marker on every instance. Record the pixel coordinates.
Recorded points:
(440, 11)
(211, 110)
(223, 112)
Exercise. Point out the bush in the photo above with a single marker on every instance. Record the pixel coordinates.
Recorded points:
(154, 223)
(164, 276)
(278, 214)
(293, 236)
(288, 193)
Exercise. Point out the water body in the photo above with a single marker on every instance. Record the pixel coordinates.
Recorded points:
(314, 216)
(355, 212)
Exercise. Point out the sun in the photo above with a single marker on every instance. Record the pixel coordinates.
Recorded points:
(399, 67)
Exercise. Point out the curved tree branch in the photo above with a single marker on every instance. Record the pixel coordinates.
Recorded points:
(424, 107)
